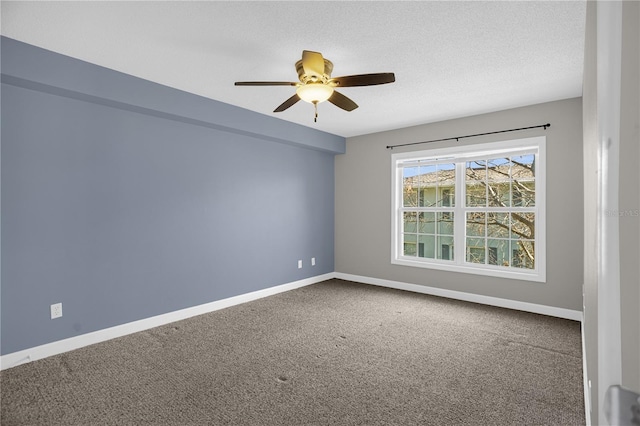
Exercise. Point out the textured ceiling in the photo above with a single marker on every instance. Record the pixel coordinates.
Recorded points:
(451, 59)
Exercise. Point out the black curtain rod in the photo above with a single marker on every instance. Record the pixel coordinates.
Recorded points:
(470, 136)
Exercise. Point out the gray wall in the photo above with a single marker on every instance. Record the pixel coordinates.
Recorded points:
(363, 209)
(124, 199)
(630, 196)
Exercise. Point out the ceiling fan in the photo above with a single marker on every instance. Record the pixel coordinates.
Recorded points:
(316, 84)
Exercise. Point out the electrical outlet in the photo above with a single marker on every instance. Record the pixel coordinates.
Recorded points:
(313, 261)
(56, 310)
(299, 264)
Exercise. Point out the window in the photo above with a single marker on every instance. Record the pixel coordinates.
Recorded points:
(475, 209)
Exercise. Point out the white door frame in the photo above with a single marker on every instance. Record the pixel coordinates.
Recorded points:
(609, 50)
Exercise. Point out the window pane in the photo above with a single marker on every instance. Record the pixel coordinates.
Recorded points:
(446, 184)
(410, 222)
(447, 197)
(428, 197)
(410, 186)
(476, 224)
(476, 179)
(445, 223)
(498, 225)
(498, 252)
(445, 248)
(523, 194)
(475, 250)
(420, 194)
(427, 223)
(498, 182)
(426, 246)
(523, 225)
(427, 182)
(523, 180)
(523, 254)
(410, 244)
(428, 178)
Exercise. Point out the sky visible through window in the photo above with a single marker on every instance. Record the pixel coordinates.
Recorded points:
(414, 171)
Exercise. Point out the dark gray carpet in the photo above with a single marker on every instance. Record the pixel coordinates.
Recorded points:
(334, 353)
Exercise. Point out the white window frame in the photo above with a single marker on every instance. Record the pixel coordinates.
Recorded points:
(458, 155)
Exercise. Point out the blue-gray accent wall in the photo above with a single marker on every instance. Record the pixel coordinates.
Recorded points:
(124, 199)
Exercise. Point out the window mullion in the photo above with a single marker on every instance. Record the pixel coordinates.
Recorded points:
(459, 214)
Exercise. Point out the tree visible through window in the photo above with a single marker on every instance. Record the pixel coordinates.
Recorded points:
(479, 209)
(500, 211)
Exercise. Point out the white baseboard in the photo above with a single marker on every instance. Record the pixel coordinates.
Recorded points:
(54, 348)
(468, 297)
(65, 345)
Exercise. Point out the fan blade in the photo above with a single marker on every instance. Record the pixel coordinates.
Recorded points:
(265, 83)
(312, 62)
(364, 79)
(286, 104)
(341, 101)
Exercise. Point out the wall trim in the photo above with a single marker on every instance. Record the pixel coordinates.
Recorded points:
(54, 348)
(468, 297)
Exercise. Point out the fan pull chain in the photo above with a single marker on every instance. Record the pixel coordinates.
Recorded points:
(315, 107)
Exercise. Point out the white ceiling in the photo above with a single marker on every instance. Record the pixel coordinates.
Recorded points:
(451, 59)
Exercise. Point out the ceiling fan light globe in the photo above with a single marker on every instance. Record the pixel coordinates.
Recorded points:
(314, 92)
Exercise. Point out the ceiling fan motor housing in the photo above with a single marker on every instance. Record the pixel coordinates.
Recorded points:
(307, 78)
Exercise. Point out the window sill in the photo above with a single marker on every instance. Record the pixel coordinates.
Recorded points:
(536, 276)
